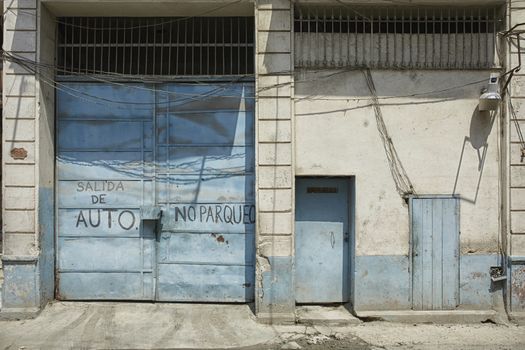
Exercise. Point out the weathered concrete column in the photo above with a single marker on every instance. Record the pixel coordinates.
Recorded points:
(275, 300)
(516, 172)
(28, 154)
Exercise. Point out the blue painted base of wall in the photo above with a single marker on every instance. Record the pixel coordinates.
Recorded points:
(383, 282)
(516, 284)
(275, 294)
(29, 281)
(20, 289)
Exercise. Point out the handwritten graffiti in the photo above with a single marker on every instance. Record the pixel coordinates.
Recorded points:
(92, 218)
(218, 213)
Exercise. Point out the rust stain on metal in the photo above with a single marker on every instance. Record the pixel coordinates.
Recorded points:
(219, 238)
(19, 153)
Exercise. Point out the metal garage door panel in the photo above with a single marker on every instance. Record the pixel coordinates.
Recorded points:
(105, 172)
(186, 155)
(206, 128)
(206, 159)
(213, 189)
(103, 101)
(103, 254)
(103, 165)
(106, 285)
(221, 96)
(207, 247)
(206, 283)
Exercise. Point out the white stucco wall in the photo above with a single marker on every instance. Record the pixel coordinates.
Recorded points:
(439, 138)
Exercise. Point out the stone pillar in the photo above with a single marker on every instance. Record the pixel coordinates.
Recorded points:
(516, 171)
(275, 301)
(23, 233)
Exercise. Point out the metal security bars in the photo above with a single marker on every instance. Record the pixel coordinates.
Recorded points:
(397, 37)
(175, 46)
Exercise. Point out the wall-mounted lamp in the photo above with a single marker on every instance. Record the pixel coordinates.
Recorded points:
(489, 100)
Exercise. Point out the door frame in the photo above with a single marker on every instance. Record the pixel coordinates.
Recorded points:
(350, 268)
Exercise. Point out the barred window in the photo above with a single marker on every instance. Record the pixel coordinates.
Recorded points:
(397, 37)
(156, 46)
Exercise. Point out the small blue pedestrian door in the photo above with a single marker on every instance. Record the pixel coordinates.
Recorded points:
(435, 253)
(322, 240)
(125, 151)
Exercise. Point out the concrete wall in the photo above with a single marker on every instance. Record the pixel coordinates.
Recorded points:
(441, 139)
(445, 144)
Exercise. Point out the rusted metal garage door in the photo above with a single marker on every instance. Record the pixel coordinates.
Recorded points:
(126, 149)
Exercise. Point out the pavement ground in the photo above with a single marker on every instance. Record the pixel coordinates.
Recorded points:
(110, 325)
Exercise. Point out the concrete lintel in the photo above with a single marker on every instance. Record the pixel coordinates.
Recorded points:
(150, 8)
(436, 316)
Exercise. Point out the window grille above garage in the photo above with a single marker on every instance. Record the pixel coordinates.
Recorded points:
(174, 46)
(397, 37)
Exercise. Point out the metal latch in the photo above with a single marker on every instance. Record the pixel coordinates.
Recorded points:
(150, 213)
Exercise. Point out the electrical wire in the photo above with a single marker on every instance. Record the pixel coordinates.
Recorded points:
(105, 77)
(402, 182)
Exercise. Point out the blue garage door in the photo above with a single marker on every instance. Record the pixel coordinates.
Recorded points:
(186, 149)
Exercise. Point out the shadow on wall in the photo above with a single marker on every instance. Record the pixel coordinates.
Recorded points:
(480, 127)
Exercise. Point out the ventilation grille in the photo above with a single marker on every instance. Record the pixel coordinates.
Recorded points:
(176, 46)
(397, 37)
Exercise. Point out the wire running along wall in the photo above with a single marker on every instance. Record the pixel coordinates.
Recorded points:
(396, 37)
(174, 46)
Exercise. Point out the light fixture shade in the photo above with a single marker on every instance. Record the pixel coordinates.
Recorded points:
(489, 101)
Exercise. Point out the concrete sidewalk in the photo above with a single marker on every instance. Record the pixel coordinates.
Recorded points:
(99, 325)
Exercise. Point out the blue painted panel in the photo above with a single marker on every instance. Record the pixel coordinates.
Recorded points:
(220, 188)
(209, 97)
(435, 253)
(103, 254)
(217, 128)
(105, 171)
(108, 135)
(97, 101)
(207, 194)
(106, 286)
(321, 240)
(382, 283)
(206, 283)
(205, 160)
(104, 166)
(208, 248)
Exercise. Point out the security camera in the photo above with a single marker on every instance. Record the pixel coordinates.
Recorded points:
(489, 100)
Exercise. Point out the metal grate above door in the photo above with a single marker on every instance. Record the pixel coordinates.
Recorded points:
(416, 37)
(174, 46)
